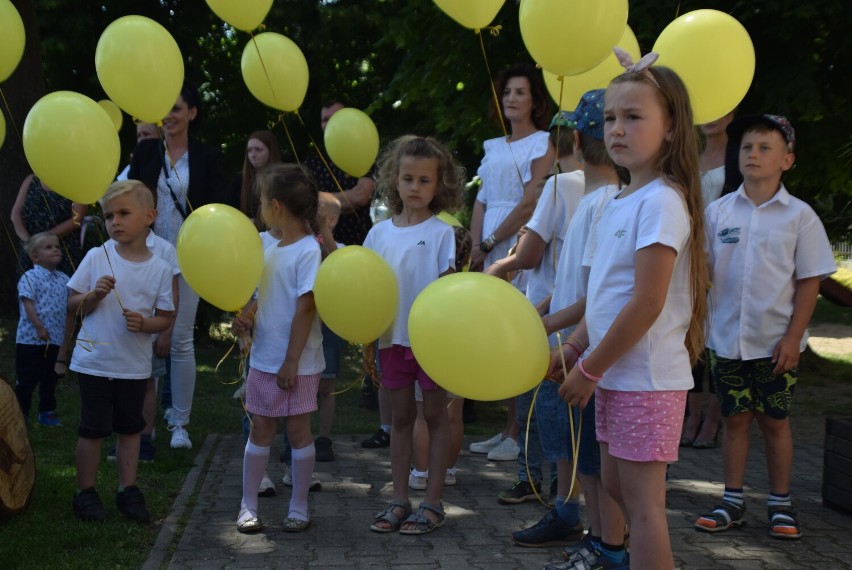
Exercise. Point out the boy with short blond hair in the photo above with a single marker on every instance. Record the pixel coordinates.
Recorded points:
(125, 294)
(767, 253)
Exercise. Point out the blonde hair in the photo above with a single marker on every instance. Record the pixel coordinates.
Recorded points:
(678, 164)
(35, 241)
(122, 187)
(451, 174)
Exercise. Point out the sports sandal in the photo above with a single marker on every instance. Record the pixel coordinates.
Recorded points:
(783, 523)
(722, 517)
(422, 523)
(389, 516)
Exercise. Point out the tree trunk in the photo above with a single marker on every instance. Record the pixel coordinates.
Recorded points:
(17, 463)
(21, 91)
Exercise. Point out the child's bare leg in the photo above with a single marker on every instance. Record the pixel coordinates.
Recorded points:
(735, 445)
(402, 427)
(643, 487)
(511, 429)
(435, 413)
(88, 458)
(712, 417)
(421, 440)
(693, 421)
(127, 455)
(455, 413)
(149, 406)
(779, 452)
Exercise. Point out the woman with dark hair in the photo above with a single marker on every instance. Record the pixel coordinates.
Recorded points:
(261, 151)
(183, 173)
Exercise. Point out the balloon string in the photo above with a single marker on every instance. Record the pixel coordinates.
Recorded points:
(575, 436)
(11, 118)
(263, 66)
(109, 262)
(17, 256)
(289, 138)
(174, 169)
(491, 82)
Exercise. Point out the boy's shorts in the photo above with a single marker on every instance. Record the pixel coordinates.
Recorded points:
(332, 350)
(110, 405)
(640, 426)
(554, 425)
(750, 386)
(400, 369)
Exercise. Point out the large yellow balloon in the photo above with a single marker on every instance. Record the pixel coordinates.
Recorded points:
(220, 255)
(140, 67)
(573, 86)
(478, 336)
(72, 145)
(473, 14)
(12, 39)
(352, 141)
(275, 71)
(244, 15)
(113, 111)
(356, 294)
(713, 54)
(2, 130)
(567, 37)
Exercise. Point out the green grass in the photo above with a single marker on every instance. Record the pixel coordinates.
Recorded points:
(47, 535)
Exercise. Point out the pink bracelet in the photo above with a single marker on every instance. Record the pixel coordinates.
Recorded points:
(583, 371)
(576, 350)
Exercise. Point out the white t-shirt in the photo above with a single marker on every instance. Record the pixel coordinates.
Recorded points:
(756, 255)
(572, 276)
(267, 239)
(418, 255)
(104, 345)
(504, 170)
(162, 249)
(550, 220)
(288, 273)
(653, 214)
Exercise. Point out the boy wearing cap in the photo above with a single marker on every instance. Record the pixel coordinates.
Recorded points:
(767, 253)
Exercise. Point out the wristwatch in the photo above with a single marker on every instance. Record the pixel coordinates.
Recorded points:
(488, 244)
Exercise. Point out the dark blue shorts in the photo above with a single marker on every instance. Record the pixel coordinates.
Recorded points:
(110, 405)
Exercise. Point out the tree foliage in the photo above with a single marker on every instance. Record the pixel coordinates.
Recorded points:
(413, 69)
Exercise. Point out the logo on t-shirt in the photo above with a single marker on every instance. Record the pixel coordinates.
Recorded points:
(620, 233)
(729, 235)
(421, 242)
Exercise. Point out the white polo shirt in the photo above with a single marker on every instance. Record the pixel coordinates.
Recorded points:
(756, 254)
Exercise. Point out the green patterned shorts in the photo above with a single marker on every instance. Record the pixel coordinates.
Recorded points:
(750, 386)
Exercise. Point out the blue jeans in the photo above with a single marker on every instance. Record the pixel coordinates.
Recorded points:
(529, 458)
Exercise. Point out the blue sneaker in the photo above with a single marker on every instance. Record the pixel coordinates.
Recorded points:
(49, 419)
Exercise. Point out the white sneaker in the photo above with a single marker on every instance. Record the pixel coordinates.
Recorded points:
(487, 445)
(240, 393)
(180, 439)
(167, 416)
(507, 451)
(267, 487)
(316, 484)
(450, 477)
(417, 479)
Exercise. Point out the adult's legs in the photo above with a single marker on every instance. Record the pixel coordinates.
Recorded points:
(183, 355)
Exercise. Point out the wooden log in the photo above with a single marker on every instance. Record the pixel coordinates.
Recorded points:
(17, 462)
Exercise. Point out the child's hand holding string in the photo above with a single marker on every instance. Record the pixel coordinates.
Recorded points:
(103, 286)
(556, 371)
(577, 389)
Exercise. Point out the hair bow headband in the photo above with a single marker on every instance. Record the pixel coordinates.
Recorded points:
(641, 66)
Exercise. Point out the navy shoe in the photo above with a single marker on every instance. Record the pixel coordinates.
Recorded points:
(549, 531)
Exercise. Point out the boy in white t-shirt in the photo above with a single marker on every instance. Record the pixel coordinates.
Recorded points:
(767, 252)
(125, 293)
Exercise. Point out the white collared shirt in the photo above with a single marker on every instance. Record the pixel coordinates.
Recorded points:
(756, 254)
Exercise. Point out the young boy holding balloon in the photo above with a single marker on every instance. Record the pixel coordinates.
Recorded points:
(125, 293)
(420, 178)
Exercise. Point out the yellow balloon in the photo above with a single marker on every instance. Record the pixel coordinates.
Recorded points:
(478, 336)
(245, 15)
(473, 14)
(113, 111)
(573, 86)
(449, 219)
(356, 294)
(140, 67)
(2, 130)
(72, 145)
(714, 56)
(12, 39)
(220, 255)
(352, 141)
(567, 37)
(275, 71)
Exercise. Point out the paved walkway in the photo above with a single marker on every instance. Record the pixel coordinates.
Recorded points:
(200, 532)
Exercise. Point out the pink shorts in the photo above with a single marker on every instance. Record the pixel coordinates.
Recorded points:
(265, 398)
(640, 426)
(400, 369)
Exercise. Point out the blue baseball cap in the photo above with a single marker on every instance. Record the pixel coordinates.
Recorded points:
(588, 116)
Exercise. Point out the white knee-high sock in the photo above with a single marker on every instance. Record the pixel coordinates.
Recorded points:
(254, 464)
(303, 468)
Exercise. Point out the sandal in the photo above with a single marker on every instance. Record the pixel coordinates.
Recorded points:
(687, 442)
(389, 516)
(248, 522)
(295, 525)
(783, 523)
(722, 517)
(702, 444)
(422, 523)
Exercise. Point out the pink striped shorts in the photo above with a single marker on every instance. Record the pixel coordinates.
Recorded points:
(640, 426)
(265, 398)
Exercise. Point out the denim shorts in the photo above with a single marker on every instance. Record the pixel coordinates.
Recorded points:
(332, 350)
(589, 457)
(554, 424)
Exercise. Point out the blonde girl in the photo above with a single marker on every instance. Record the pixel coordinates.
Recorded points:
(419, 178)
(286, 355)
(646, 303)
